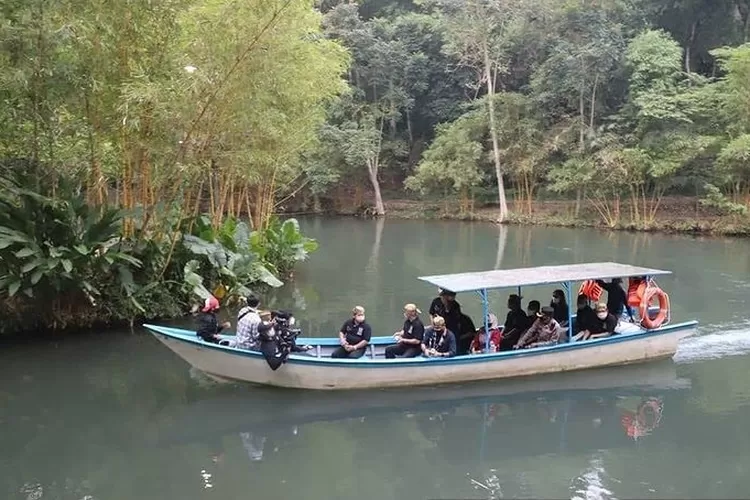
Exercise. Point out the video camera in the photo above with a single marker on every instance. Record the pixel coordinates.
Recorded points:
(279, 337)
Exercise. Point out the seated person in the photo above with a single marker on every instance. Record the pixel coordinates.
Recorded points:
(409, 338)
(354, 336)
(208, 323)
(603, 325)
(465, 335)
(479, 343)
(511, 337)
(438, 340)
(560, 306)
(545, 331)
(584, 315)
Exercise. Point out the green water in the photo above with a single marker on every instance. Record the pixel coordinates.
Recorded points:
(117, 416)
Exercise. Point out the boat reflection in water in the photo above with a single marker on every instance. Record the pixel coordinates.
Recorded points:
(465, 432)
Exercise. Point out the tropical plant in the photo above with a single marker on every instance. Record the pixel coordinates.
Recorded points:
(280, 245)
(224, 260)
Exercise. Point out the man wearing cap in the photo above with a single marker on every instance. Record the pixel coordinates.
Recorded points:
(354, 336)
(447, 308)
(438, 342)
(410, 337)
(544, 331)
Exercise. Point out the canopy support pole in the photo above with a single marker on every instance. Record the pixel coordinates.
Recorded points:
(567, 286)
(486, 314)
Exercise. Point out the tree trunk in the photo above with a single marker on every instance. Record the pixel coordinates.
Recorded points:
(493, 132)
(372, 171)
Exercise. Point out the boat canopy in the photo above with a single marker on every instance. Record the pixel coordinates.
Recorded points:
(530, 276)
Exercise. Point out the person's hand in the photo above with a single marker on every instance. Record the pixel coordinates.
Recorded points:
(397, 335)
(516, 346)
(226, 325)
(349, 348)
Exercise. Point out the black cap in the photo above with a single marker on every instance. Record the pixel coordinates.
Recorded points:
(447, 293)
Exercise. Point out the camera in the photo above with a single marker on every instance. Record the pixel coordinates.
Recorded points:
(278, 338)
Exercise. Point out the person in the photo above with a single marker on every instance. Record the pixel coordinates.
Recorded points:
(545, 331)
(604, 324)
(560, 306)
(354, 336)
(409, 338)
(616, 298)
(438, 340)
(584, 316)
(248, 321)
(446, 306)
(479, 343)
(208, 323)
(465, 334)
(512, 337)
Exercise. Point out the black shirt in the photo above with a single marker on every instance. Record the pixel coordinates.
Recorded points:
(616, 297)
(413, 329)
(516, 320)
(354, 332)
(451, 316)
(585, 318)
(561, 312)
(208, 326)
(603, 325)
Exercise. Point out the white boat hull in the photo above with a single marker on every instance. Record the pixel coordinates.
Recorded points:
(304, 371)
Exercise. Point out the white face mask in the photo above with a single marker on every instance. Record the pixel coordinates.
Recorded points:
(601, 315)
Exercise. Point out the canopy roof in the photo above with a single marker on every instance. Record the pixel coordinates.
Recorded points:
(507, 278)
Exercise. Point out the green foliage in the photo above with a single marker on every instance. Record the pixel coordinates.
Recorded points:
(65, 264)
(281, 245)
(452, 164)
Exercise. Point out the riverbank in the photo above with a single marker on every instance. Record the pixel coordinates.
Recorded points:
(677, 215)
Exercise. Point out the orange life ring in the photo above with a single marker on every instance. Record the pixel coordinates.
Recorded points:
(591, 289)
(636, 289)
(661, 316)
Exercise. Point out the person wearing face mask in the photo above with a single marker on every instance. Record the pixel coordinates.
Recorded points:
(516, 322)
(438, 342)
(585, 316)
(604, 324)
(545, 331)
(354, 336)
(410, 337)
(560, 306)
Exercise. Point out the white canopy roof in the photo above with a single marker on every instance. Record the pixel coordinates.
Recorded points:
(508, 278)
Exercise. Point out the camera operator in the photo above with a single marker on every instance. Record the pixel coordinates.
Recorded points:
(277, 337)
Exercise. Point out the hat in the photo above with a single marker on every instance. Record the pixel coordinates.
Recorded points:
(412, 308)
(546, 311)
(514, 297)
(211, 304)
(601, 306)
(447, 293)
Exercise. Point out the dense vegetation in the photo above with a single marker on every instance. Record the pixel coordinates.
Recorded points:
(612, 103)
(133, 137)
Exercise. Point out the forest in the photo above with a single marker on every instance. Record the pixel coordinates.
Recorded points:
(147, 148)
(612, 104)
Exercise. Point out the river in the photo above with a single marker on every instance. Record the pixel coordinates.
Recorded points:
(117, 416)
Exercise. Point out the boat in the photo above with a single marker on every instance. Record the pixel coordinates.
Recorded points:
(316, 370)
